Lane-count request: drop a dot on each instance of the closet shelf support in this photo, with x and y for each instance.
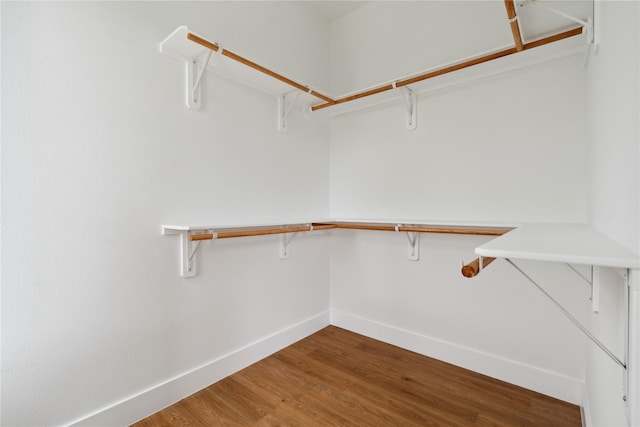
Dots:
(191, 238)
(285, 239)
(189, 245)
(570, 317)
(414, 245)
(594, 282)
(592, 45)
(196, 67)
(284, 109)
(411, 105)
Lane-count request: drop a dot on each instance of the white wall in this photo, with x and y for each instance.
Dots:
(510, 148)
(387, 40)
(614, 101)
(98, 150)
(496, 323)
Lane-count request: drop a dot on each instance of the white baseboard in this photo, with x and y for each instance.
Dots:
(585, 410)
(530, 377)
(147, 402)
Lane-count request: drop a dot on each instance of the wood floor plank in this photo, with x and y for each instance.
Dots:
(338, 378)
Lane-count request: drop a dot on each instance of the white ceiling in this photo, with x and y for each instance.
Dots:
(333, 9)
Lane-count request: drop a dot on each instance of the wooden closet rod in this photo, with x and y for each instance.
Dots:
(452, 68)
(478, 231)
(214, 47)
(513, 22)
(260, 232)
(473, 268)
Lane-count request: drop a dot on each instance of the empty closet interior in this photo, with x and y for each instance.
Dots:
(191, 187)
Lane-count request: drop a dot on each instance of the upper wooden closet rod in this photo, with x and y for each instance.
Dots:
(513, 22)
(452, 68)
(519, 46)
(214, 47)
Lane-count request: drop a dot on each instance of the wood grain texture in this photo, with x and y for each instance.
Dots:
(481, 231)
(339, 378)
(473, 268)
(513, 22)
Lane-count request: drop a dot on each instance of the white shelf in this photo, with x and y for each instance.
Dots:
(426, 222)
(567, 243)
(175, 229)
(178, 46)
(549, 52)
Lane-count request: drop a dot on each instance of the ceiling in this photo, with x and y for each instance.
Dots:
(333, 9)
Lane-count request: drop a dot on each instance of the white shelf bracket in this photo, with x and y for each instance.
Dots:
(188, 250)
(594, 282)
(284, 110)
(285, 239)
(571, 318)
(414, 245)
(196, 67)
(188, 260)
(595, 289)
(411, 106)
(592, 43)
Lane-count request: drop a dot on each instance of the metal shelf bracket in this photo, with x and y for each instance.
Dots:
(411, 107)
(592, 42)
(195, 70)
(284, 110)
(573, 319)
(188, 250)
(285, 239)
(414, 245)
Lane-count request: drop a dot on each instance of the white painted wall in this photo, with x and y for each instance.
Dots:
(98, 150)
(496, 323)
(386, 40)
(510, 148)
(614, 100)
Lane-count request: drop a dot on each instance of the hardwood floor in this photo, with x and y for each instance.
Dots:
(338, 378)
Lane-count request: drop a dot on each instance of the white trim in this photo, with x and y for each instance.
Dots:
(147, 402)
(585, 408)
(153, 399)
(531, 377)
